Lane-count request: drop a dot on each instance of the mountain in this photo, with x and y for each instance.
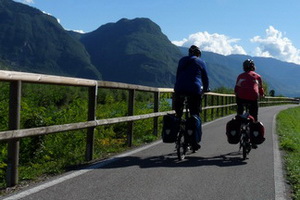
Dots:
(133, 51)
(282, 77)
(35, 42)
(130, 51)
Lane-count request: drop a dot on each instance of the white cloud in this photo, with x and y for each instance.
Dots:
(79, 31)
(216, 43)
(46, 13)
(58, 20)
(277, 46)
(28, 1)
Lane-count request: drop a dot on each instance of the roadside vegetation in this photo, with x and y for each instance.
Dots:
(288, 128)
(46, 105)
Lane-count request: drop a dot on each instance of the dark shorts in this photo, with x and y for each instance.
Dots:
(253, 107)
(194, 103)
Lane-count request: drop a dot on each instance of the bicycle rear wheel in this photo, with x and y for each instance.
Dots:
(180, 147)
(244, 148)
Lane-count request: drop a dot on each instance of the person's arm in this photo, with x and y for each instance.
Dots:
(260, 87)
(204, 78)
(236, 87)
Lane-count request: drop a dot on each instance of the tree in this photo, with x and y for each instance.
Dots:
(272, 93)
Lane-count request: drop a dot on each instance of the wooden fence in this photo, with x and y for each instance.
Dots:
(214, 104)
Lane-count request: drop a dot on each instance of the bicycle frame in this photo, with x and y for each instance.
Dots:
(182, 145)
(245, 133)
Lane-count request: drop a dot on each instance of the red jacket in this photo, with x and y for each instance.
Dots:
(249, 86)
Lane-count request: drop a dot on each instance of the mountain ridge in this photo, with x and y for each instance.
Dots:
(35, 42)
(140, 44)
(130, 51)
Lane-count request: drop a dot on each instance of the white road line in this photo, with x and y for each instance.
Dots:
(82, 171)
(280, 190)
(278, 174)
(77, 173)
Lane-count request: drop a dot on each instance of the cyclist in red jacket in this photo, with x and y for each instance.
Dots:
(248, 89)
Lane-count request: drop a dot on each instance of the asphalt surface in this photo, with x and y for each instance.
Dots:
(215, 172)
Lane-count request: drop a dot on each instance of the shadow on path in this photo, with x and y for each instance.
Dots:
(171, 160)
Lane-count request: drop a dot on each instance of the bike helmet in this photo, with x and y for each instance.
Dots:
(249, 65)
(194, 51)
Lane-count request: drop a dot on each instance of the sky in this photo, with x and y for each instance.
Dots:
(265, 28)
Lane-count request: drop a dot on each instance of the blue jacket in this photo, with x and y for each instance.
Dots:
(191, 77)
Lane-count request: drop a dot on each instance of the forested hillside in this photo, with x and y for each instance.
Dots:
(32, 41)
(133, 51)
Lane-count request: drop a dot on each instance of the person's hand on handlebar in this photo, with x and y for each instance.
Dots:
(261, 97)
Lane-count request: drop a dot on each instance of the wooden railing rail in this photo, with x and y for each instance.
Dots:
(218, 104)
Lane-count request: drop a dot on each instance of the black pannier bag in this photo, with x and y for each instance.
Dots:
(257, 133)
(171, 126)
(233, 131)
(193, 129)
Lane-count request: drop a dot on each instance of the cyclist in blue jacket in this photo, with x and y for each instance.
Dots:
(191, 82)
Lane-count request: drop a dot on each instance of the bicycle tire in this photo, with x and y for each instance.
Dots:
(180, 147)
(244, 148)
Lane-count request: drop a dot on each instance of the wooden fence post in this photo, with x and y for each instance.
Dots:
(14, 124)
(212, 110)
(218, 110)
(131, 102)
(232, 99)
(205, 105)
(91, 116)
(222, 109)
(156, 109)
(173, 101)
(227, 108)
(235, 107)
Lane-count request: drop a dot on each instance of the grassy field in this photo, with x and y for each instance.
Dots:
(288, 128)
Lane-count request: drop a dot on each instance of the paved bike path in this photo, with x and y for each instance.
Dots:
(215, 172)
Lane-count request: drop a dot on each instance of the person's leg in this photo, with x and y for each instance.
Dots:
(178, 104)
(194, 103)
(240, 107)
(253, 110)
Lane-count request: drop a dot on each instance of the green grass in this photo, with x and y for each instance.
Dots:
(288, 128)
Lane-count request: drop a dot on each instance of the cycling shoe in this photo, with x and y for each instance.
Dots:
(196, 147)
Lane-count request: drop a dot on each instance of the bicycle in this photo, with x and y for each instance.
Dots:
(181, 145)
(245, 143)
(183, 141)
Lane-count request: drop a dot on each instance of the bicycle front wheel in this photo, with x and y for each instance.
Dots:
(245, 147)
(181, 147)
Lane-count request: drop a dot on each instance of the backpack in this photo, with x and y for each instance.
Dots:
(233, 131)
(171, 126)
(257, 133)
(193, 129)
